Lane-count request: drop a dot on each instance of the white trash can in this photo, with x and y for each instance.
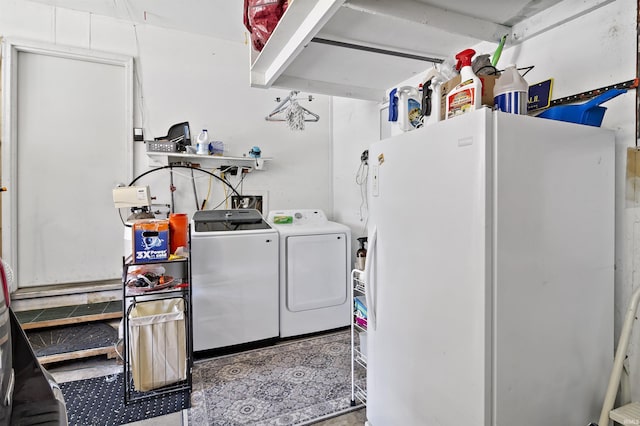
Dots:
(158, 346)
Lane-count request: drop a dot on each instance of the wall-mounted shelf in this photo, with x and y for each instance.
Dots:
(347, 48)
(166, 158)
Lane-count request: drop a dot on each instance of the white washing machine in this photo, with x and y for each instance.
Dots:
(234, 273)
(315, 256)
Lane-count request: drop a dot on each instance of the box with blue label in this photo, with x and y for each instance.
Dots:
(150, 240)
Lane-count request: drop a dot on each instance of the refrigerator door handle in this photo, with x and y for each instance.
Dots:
(370, 278)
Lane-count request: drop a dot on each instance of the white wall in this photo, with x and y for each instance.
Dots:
(595, 50)
(355, 126)
(186, 77)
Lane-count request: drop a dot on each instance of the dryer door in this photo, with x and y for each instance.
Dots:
(316, 271)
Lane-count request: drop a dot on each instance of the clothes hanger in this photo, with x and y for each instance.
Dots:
(285, 104)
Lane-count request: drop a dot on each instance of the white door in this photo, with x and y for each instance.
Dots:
(316, 271)
(66, 144)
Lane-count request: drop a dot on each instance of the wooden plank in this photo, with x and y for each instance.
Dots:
(632, 194)
(71, 320)
(109, 351)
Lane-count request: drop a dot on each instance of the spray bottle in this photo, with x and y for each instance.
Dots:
(466, 96)
(361, 254)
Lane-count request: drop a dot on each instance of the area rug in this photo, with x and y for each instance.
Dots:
(99, 401)
(292, 383)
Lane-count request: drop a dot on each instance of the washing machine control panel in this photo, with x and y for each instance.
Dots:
(297, 217)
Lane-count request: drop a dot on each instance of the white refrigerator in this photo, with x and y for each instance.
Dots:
(490, 273)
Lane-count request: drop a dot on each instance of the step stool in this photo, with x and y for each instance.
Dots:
(628, 414)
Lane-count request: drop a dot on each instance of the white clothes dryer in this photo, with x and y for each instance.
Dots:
(315, 255)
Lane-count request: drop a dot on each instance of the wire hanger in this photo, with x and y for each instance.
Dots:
(286, 102)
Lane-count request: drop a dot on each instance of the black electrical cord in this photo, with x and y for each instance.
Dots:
(172, 166)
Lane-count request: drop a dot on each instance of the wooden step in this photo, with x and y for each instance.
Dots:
(65, 315)
(627, 414)
(109, 351)
(31, 298)
(74, 341)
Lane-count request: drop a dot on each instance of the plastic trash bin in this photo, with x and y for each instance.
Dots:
(158, 347)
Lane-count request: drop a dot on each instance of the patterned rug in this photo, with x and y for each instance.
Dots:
(292, 383)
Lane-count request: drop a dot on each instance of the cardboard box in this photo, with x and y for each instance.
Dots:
(150, 240)
(488, 81)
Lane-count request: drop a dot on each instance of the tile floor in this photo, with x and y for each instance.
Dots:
(101, 366)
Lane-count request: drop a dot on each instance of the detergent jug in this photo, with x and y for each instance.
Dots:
(511, 92)
(409, 108)
(203, 142)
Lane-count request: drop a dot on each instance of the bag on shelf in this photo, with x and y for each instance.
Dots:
(261, 17)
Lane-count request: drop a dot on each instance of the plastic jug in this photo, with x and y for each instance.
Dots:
(203, 142)
(511, 92)
(409, 108)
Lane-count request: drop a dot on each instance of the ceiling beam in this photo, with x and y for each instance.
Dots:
(372, 49)
(420, 13)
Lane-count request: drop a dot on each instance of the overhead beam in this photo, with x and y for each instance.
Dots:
(371, 49)
(420, 13)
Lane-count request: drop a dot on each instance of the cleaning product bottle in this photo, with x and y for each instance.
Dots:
(409, 108)
(436, 98)
(203, 142)
(511, 91)
(466, 96)
(432, 94)
(361, 254)
(393, 105)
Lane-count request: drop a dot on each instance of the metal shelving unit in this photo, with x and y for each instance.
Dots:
(170, 341)
(358, 342)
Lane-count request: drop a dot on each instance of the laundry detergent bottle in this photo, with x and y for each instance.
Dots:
(203, 142)
(511, 92)
(466, 96)
(409, 108)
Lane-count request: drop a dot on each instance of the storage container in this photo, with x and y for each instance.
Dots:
(158, 350)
